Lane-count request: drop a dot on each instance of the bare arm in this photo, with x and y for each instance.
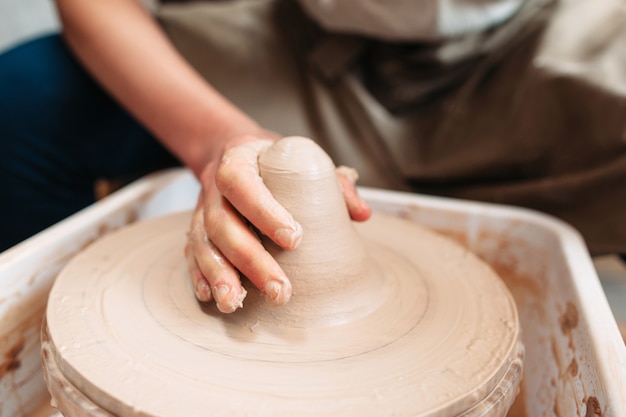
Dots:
(126, 51)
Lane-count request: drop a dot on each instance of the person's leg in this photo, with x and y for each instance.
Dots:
(59, 132)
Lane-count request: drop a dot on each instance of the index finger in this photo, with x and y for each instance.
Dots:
(238, 180)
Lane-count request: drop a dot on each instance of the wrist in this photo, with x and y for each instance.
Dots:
(218, 136)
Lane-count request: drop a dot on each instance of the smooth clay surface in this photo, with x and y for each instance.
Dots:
(387, 319)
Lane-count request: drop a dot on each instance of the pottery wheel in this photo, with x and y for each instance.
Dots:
(434, 333)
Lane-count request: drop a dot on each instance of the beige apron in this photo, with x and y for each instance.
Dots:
(537, 119)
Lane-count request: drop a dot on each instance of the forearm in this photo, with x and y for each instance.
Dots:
(126, 51)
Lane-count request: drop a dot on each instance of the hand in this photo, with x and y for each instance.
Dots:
(221, 244)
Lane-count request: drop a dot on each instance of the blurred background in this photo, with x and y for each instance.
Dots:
(24, 19)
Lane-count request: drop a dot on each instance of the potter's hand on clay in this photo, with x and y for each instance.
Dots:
(222, 243)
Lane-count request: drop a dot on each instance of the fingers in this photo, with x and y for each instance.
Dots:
(238, 180)
(359, 210)
(221, 245)
(200, 284)
(213, 276)
(241, 246)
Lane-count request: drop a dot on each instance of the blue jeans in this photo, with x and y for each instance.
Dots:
(59, 133)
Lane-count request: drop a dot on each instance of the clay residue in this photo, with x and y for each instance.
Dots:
(11, 359)
(517, 282)
(593, 407)
(569, 319)
(555, 354)
(503, 263)
(572, 369)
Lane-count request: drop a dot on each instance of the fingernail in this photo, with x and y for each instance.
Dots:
(221, 291)
(228, 306)
(289, 238)
(278, 292)
(203, 291)
(350, 173)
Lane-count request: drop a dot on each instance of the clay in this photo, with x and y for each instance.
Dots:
(387, 318)
(44, 409)
(294, 171)
(593, 407)
(11, 360)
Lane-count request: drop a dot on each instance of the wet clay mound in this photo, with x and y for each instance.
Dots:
(386, 319)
